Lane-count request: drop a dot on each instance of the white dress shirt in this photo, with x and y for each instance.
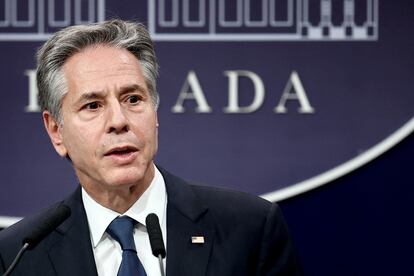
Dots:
(106, 250)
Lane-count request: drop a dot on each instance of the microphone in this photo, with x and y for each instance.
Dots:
(155, 237)
(44, 228)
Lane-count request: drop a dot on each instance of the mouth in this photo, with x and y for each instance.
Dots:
(121, 151)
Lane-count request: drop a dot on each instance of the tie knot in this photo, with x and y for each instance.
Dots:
(121, 229)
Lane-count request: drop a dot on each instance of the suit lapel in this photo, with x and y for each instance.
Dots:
(71, 252)
(186, 218)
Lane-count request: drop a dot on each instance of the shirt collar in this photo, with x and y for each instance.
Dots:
(153, 200)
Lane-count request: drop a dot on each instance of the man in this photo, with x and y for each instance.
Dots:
(97, 89)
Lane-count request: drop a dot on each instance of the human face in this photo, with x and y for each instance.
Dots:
(109, 127)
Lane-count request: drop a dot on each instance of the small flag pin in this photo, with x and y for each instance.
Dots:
(197, 239)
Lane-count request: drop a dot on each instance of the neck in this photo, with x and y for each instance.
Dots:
(122, 197)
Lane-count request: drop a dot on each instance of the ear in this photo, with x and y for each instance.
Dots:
(54, 131)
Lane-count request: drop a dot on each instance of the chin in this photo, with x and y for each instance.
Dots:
(127, 178)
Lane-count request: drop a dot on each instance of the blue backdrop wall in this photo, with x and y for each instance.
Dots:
(306, 102)
(361, 223)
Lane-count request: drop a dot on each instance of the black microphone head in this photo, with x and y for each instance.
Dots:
(45, 227)
(155, 235)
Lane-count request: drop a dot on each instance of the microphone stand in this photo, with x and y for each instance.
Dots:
(161, 265)
(16, 259)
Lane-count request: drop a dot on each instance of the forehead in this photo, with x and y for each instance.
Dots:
(101, 68)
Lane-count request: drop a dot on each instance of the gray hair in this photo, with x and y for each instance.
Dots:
(131, 36)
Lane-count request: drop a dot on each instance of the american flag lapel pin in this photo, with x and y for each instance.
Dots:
(197, 239)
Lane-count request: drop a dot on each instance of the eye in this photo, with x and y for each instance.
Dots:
(133, 99)
(91, 106)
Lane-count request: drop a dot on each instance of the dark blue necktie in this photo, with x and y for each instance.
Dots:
(121, 229)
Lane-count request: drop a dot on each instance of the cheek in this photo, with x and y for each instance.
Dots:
(154, 141)
(152, 131)
(79, 139)
(148, 132)
(146, 124)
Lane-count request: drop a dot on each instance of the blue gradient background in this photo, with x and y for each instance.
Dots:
(362, 92)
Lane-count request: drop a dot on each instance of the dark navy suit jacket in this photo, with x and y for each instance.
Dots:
(243, 235)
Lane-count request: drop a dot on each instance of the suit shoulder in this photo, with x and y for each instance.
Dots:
(223, 202)
(232, 203)
(228, 196)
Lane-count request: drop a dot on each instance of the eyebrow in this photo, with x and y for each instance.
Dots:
(90, 96)
(93, 95)
(131, 88)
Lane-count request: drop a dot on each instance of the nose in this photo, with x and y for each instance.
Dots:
(117, 121)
